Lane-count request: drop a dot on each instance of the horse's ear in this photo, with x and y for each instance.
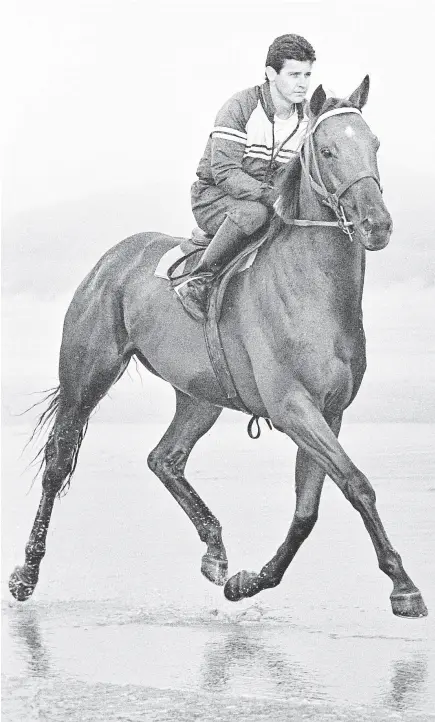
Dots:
(359, 96)
(317, 100)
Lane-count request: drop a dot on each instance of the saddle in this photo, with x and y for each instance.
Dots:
(198, 239)
(191, 250)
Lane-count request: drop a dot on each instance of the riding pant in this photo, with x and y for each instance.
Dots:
(210, 207)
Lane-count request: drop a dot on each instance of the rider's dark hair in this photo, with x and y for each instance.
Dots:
(289, 47)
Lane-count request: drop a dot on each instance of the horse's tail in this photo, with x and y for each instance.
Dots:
(45, 423)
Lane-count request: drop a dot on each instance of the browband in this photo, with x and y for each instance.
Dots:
(335, 111)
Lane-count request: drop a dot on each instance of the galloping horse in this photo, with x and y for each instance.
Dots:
(292, 332)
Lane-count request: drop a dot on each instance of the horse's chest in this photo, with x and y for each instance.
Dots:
(329, 367)
(342, 374)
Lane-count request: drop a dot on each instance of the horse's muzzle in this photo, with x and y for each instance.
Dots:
(375, 232)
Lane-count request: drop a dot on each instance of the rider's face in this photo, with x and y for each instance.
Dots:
(293, 80)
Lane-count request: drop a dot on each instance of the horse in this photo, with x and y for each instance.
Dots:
(292, 331)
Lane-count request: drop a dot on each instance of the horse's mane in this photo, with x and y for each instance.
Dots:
(289, 181)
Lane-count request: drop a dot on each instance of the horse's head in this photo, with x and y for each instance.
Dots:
(343, 163)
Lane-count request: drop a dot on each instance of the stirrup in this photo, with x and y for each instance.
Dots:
(195, 301)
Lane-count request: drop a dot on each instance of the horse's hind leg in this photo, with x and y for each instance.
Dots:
(59, 455)
(191, 421)
(86, 374)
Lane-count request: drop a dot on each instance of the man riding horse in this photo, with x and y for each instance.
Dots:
(256, 132)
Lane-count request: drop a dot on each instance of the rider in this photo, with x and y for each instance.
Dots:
(255, 133)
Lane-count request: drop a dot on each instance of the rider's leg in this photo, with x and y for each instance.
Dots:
(224, 245)
(240, 221)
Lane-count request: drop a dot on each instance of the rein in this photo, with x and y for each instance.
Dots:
(330, 199)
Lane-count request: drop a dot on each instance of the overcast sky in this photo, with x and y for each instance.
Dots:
(113, 94)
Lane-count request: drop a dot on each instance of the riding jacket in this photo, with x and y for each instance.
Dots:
(242, 155)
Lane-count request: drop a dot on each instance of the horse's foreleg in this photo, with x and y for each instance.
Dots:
(297, 416)
(309, 478)
(192, 420)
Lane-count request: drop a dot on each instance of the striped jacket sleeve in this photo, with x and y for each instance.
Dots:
(228, 142)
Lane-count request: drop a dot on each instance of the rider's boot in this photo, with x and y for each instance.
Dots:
(194, 293)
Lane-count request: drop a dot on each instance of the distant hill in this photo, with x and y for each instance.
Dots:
(49, 250)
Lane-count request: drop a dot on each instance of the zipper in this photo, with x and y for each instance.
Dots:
(268, 170)
(300, 112)
(273, 155)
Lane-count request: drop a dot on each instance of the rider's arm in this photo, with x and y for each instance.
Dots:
(228, 142)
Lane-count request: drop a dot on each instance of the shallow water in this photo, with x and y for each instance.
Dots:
(123, 626)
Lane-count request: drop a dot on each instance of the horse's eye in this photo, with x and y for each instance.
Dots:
(326, 153)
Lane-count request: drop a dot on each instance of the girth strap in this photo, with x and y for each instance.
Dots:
(213, 338)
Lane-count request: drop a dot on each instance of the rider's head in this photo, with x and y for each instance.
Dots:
(288, 66)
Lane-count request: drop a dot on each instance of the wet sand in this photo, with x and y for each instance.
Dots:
(122, 625)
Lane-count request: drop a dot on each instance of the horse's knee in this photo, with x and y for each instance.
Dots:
(156, 461)
(172, 463)
(249, 216)
(360, 492)
(152, 461)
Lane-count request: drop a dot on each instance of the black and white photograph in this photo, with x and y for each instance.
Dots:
(218, 361)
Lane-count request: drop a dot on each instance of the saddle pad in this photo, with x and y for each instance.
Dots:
(175, 253)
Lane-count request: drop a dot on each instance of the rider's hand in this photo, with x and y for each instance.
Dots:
(269, 195)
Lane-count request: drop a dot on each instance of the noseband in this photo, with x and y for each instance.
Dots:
(332, 200)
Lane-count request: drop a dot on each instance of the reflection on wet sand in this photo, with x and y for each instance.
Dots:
(244, 653)
(26, 632)
(408, 682)
(240, 661)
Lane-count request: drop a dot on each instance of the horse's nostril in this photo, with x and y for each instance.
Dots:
(367, 225)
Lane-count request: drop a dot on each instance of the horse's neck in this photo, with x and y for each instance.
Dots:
(313, 260)
(310, 206)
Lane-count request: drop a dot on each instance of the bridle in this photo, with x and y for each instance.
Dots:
(332, 200)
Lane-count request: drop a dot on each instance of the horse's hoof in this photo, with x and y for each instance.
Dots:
(408, 605)
(215, 570)
(241, 585)
(19, 587)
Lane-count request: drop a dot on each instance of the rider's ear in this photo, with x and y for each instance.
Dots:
(317, 100)
(359, 96)
(270, 73)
